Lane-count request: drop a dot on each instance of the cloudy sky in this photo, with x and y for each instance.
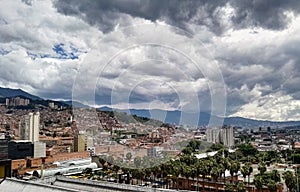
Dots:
(234, 58)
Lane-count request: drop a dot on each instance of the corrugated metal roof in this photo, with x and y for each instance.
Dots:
(14, 185)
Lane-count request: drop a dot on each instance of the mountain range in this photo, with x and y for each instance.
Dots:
(7, 92)
(172, 117)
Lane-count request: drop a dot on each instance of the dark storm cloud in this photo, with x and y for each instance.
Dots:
(105, 13)
(268, 14)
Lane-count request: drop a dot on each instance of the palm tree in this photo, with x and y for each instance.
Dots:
(194, 173)
(197, 170)
(275, 176)
(148, 172)
(225, 163)
(165, 170)
(258, 182)
(215, 174)
(204, 171)
(156, 172)
(187, 173)
(250, 171)
(272, 186)
(188, 159)
(246, 170)
(176, 170)
(234, 168)
(241, 187)
(262, 168)
(142, 174)
(134, 174)
(290, 180)
(229, 187)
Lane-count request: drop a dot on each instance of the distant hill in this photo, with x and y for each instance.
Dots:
(7, 92)
(174, 117)
(171, 117)
(75, 104)
(245, 122)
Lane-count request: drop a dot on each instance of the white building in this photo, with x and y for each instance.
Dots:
(227, 136)
(224, 135)
(29, 127)
(155, 151)
(51, 105)
(213, 135)
(39, 149)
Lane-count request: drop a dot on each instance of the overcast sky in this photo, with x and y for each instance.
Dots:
(238, 58)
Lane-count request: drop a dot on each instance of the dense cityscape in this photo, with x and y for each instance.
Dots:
(149, 95)
(44, 145)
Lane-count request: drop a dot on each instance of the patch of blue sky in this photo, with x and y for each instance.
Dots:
(60, 52)
(34, 56)
(4, 52)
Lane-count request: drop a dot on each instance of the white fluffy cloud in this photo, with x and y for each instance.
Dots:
(126, 58)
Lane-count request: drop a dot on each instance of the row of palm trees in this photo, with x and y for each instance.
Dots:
(189, 167)
(208, 169)
(269, 179)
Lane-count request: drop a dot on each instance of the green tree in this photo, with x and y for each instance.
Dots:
(244, 171)
(295, 158)
(216, 147)
(275, 176)
(234, 168)
(187, 172)
(290, 180)
(258, 182)
(272, 186)
(229, 187)
(176, 170)
(262, 168)
(128, 156)
(250, 171)
(241, 187)
(137, 161)
(215, 173)
(204, 170)
(247, 149)
(187, 151)
(225, 163)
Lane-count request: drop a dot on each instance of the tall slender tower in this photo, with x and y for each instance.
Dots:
(29, 127)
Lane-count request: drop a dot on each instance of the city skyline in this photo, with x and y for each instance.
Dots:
(232, 58)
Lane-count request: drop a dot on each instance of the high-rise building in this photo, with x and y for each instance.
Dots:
(17, 101)
(52, 105)
(213, 135)
(222, 135)
(79, 143)
(29, 127)
(227, 136)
